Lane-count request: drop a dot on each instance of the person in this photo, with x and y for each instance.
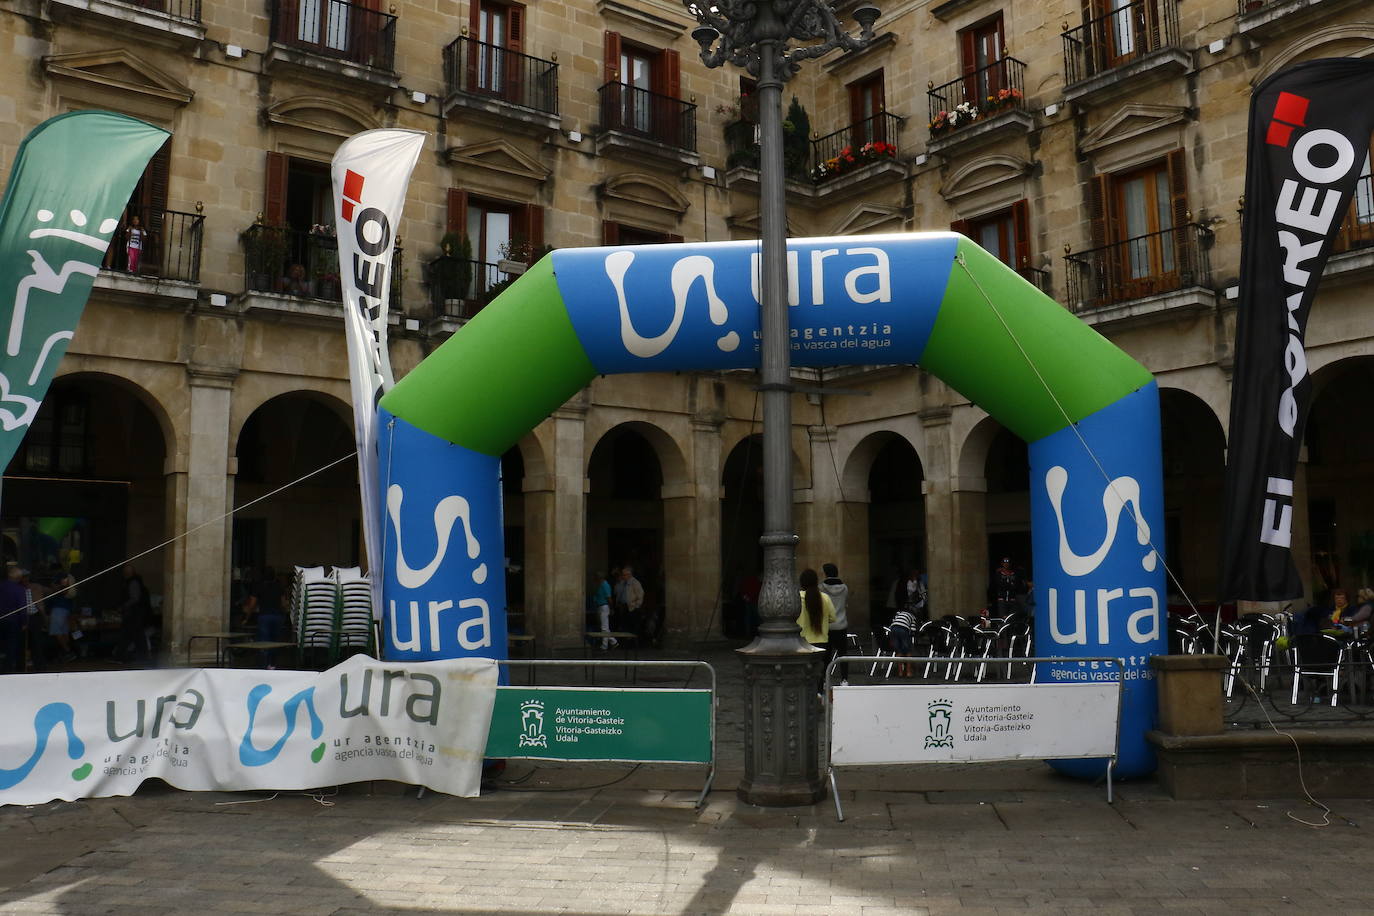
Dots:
(837, 591)
(915, 594)
(1006, 588)
(817, 615)
(601, 602)
(749, 588)
(267, 613)
(295, 282)
(134, 614)
(60, 616)
(629, 598)
(38, 621)
(133, 245)
(902, 632)
(14, 620)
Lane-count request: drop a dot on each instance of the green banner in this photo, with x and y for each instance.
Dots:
(588, 723)
(71, 180)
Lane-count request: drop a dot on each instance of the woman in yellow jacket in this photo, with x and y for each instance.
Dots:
(817, 613)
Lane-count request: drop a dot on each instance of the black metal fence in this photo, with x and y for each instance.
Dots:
(1246, 7)
(182, 9)
(479, 68)
(870, 140)
(334, 28)
(290, 262)
(1146, 265)
(167, 244)
(1121, 36)
(990, 90)
(459, 288)
(648, 114)
(1040, 278)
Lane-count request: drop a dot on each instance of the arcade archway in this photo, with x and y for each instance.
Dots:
(1340, 471)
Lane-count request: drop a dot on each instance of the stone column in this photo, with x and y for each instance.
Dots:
(706, 609)
(204, 491)
(540, 539)
(565, 574)
(968, 538)
(684, 592)
(944, 552)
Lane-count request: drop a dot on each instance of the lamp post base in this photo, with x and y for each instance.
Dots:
(781, 751)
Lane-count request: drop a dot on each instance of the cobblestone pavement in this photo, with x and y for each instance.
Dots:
(611, 839)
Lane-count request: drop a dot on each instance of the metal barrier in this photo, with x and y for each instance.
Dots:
(613, 711)
(994, 723)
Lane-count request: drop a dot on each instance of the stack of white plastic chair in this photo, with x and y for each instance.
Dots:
(355, 593)
(317, 597)
(296, 601)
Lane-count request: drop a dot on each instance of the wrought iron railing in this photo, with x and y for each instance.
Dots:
(277, 259)
(648, 114)
(1121, 36)
(334, 28)
(182, 9)
(742, 144)
(1146, 265)
(460, 288)
(870, 140)
(1357, 231)
(168, 248)
(479, 68)
(1245, 7)
(987, 91)
(1039, 278)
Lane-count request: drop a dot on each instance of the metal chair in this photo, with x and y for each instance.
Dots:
(1317, 655)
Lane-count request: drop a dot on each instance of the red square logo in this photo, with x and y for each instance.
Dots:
(1279, 134)
(1291, 108)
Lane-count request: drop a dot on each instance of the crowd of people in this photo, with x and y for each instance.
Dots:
(39, 627)
(616, 602)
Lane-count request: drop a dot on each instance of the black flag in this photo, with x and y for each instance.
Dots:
(1309, 139)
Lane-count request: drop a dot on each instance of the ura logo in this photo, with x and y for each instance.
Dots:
(686, 272)
(250, 756)
(1119, 493)
(45, 720)
(472, 634)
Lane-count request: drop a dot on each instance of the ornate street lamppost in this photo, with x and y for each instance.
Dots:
(781, 765)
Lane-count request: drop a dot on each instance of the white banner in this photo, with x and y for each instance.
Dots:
(911, 724)
(371, 171)
(103, 733)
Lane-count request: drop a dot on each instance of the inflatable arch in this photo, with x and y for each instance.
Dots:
(1088, 411)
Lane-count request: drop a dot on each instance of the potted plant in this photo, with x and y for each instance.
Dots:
(453, 270)
(265, 247)
(325, 259)
(796, 141)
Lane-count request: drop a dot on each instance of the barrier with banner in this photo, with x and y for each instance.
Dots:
(875, 724)
(103, 733)
(624, 724)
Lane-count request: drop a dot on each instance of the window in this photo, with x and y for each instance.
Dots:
(56, 440)
(496, 230)
(499, 29)
(1005, 234)
(1357, 231)
(642, 89)
(149, 204)
(297, 254)
(1123, 28)
(981, 48)
(1139, 223)
(866, 106)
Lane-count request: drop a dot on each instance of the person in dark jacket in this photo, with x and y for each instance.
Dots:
(835, 587)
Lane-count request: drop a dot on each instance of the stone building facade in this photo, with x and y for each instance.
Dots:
(1100, 150)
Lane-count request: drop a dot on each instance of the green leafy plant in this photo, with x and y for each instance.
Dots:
(453, 267)
(796, 141)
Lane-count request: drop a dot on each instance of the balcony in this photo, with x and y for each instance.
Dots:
(1038, 278)
(1130, 47)
(168, 264)
(287, 270)
(1258, 19)
(177, 21)
(459, 289)
(1138, 279)
(637, 122)
(501, 86)
(981, 107)
(859, 155)
(1352, 254)
(334, 39)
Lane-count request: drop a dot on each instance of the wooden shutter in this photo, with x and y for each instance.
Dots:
(1100, 210)
(961, 226)
(1178, 208)
(457, 221)
(671, 65)
(1020, 225)
(274, 203)
(285, 23)
(472, 47)
(968, 48)
(515, 27)
(610, 232)
(154, 202)
(534, 228)
(515, 41)
(612, 62)
(1102, 287)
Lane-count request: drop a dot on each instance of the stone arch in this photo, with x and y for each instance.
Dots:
(671, 455)
(973, 451)
(859, 462)
(170, 443)
(321, 114)
(247, 401)
(1351, 40)
(986, 184)
(801, 468)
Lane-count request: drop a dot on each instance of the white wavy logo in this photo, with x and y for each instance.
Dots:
(449, 510)
(1119, 493)
(685, 274)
